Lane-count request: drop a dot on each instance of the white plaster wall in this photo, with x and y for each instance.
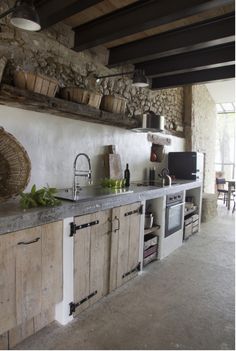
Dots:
(52, 143)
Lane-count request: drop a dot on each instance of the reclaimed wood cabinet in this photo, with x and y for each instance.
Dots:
(106, 253)
(91, 259)
(30, 273)
(125, 240)
(27, 245)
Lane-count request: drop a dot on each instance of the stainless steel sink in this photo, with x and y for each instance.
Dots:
(154, 185)
(146, 184)
(91, 192)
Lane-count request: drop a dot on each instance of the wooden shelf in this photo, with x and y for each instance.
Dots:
(27, 100)
(151, 230)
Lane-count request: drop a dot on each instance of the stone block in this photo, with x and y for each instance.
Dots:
(209, 207)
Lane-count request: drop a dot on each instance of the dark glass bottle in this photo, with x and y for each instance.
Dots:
(127, 176)
(152, 175)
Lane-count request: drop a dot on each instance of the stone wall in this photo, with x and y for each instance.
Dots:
(49, 52)
(203, 132)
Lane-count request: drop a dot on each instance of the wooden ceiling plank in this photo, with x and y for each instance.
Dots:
(197, 77)
(54, 11)
(138, 17)
(194, 37)
(190, 61)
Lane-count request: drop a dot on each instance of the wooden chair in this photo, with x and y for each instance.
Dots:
(220, 184)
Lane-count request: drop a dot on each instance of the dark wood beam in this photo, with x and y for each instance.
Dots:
(215, 56)
(198, 36)
(202, 76)
(137, 17)
(53, 11)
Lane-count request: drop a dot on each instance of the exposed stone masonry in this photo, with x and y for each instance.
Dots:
(49, 52)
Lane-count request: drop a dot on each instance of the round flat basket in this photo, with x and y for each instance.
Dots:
(15, 166)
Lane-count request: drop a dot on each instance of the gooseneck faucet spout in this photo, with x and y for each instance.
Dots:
(165, 175)
(81, 173)
(169, 179)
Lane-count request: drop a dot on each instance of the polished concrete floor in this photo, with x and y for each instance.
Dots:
(186, 301)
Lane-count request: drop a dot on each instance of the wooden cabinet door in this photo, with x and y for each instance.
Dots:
(91, 258)
(7, 283)
(31, 278)
(82, 261)
(28, 259)
(100, 255)
(52, 264)
(125, 241)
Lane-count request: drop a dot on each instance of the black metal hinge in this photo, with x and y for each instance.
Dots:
(139, 210)
(136, 269)
(74, 227)
(73, 305)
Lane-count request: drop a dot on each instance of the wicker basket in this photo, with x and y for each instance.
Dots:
(36, 82)
(15, 166)
(115, 104)
(82, 96)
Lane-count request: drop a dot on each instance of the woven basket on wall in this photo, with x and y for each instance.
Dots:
(15, 166)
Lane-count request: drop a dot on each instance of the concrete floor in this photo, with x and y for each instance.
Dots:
(185, 301)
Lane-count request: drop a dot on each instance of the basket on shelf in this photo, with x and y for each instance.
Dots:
(82, 96)
(113, 103)
(15, 166)
(36, 82)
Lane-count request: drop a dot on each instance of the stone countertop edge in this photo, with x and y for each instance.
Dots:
(13, 218)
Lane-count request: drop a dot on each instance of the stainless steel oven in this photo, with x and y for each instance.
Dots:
(174, 213)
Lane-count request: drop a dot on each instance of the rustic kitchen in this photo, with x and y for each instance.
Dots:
(107, 149)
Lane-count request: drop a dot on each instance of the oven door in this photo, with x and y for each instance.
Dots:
(174, 218)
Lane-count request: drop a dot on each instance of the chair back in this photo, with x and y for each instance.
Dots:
(220, 181)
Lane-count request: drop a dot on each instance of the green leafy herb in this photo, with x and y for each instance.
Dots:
(40, 197)
(113, 183)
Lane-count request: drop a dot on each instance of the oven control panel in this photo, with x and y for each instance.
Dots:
(175, 198)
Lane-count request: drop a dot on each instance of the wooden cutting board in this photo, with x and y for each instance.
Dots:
(113, 167)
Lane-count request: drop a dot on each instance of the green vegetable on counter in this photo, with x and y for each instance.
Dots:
(113, 183)
(39, 198)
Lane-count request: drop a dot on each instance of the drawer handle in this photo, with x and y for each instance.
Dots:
(118, 220)
(28, 242)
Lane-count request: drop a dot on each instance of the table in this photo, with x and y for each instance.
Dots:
(231, 186)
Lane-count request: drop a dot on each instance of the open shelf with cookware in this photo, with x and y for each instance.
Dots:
(152, 227)
(191, 214)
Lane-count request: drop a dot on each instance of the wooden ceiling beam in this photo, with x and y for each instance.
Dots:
(138, 17)
(53, 11)
(197, 77)
(211, 57)
(213, 32)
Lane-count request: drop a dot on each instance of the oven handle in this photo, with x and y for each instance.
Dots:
(171, 206)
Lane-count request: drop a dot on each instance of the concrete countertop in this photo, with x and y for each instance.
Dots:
(13, 218)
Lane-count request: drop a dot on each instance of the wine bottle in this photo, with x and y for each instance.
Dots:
(127, 176)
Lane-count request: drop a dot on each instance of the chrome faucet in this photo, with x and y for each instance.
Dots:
(165, 175)
(81, 173)
(169, 179)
